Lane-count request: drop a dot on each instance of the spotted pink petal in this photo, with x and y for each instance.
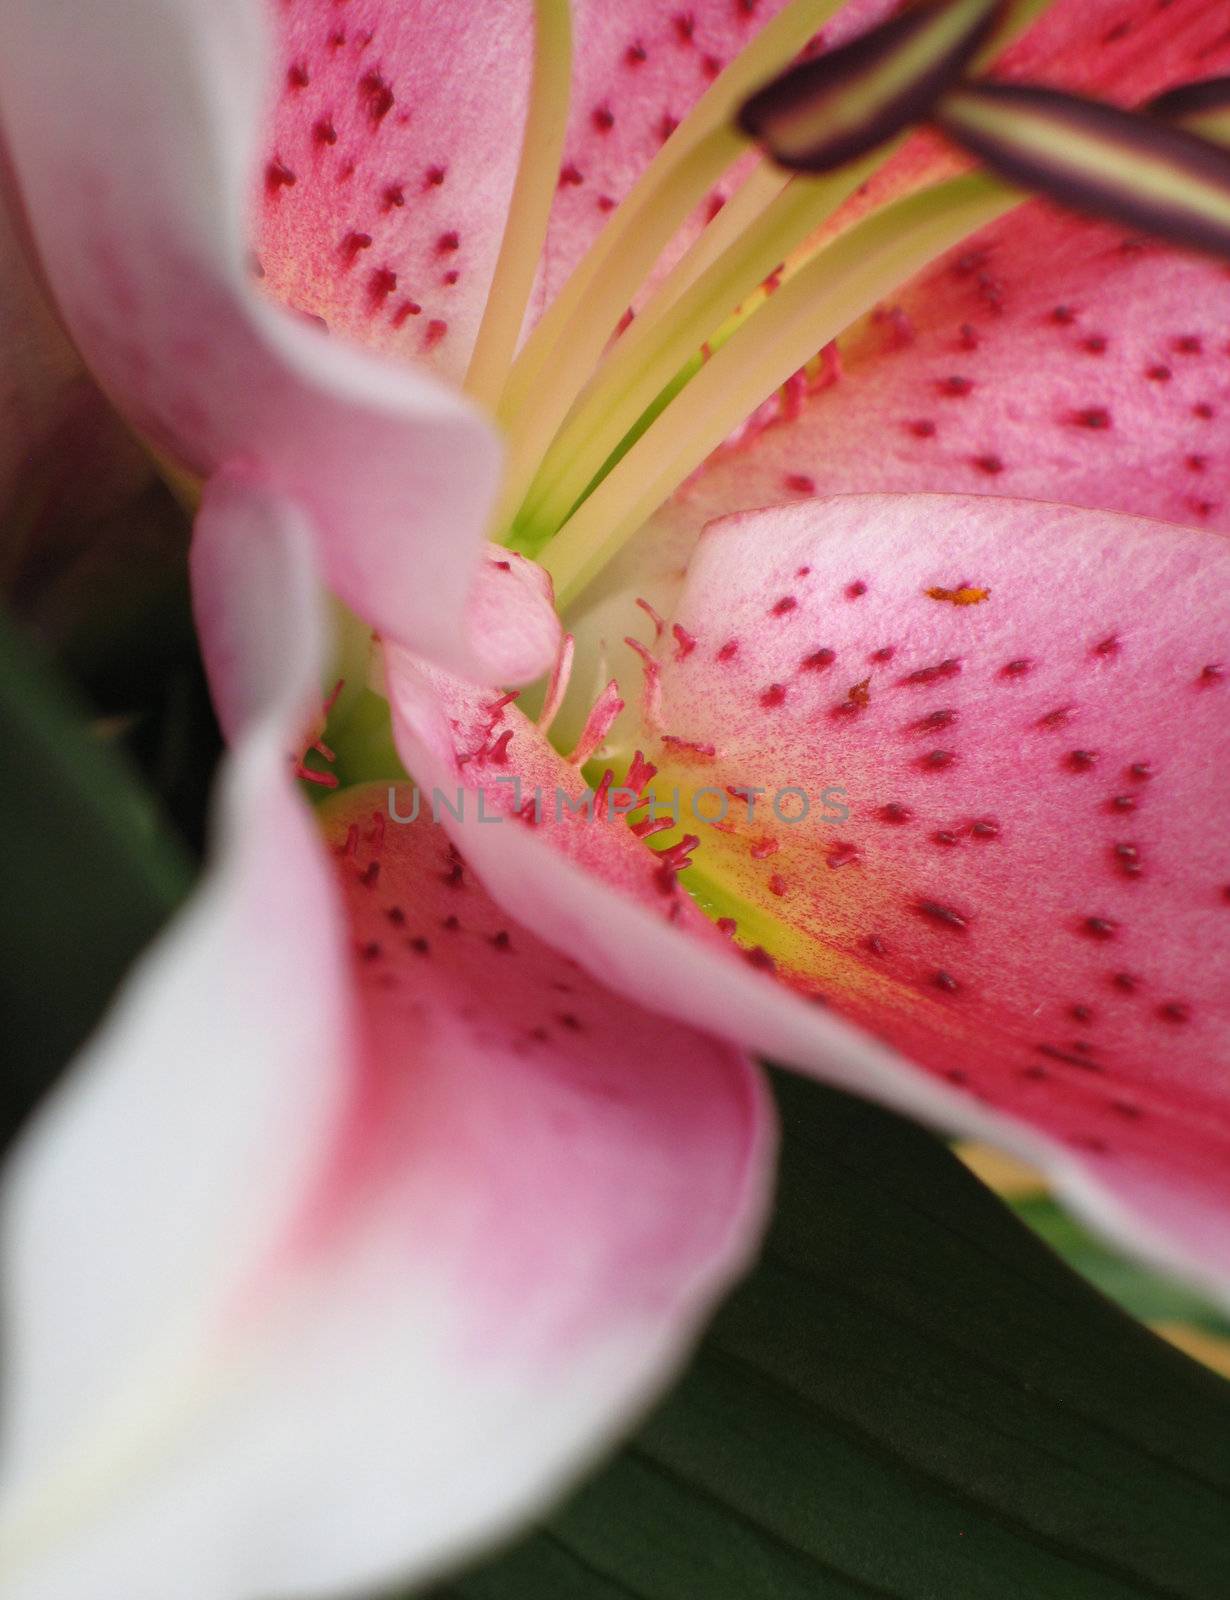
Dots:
(137, 193)
(1051, 358)
(1011, 726)
(384, 1216)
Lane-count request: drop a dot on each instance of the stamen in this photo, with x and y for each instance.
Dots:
(827, 294)
(653, 352)
(530, 208)
(848, 101)
(1202, 108)
(1137, 170)
(565, 346)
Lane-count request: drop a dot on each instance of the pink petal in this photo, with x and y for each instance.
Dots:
(1050, 359)
(370, 1249)
(137, 193)
(977, 950)
(1021, 881)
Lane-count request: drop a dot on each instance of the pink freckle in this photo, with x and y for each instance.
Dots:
(297, 76)
(990, 464)
(777, 884)
(571, 176)
(434, 177)
(968, 337)
(942, 718)
(786, 604)
(278, 176)
(369, 875)
(874, 945)
(1203, 410)
(448, 242)
(603, 118)
(1110, 646)
(945, 837)
(380, 285)
(727, 925)
(729, 650)
(984, 828)
(885, 653)
(944, 916)
(841, 855)
(922, 428)
(802, 572)
(1063, 315)
(376, 95)
(946, 982)
(1189, 344)
(1095, 345)
(1127, 858)
(1099, 928)
(685, 642)
(667, 126)
(352, 244)
(605, 203)
(345, 172)
(1213, 673)
(419, 945)
(1096, 417)
(394, 195)
(1080, 760)
(937, 760)
(635, 54)
(1125, 982)
(1139, 771)
(1158, 372)
(856, 589)
(1196, 463)
(763, 848)
(337, 39)
(1122, 802)
(324, 132)
(710, 66)
(819, 659)
(760, 958)
(433, 333)
(450, 278)
(950, 667)
(1055, 719)
(500, 941)
(894, 812)
(1202, 508)
(406, 310)
(954, 386)
(774, 695)
(1016, 669)
(685, 26)
(1080, 1013)
(1174, 1011)
(799, 483)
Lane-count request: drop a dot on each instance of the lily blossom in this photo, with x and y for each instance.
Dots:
(408, 1164)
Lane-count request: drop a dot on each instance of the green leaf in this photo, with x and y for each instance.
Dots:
(89, 877)
(911, 1398)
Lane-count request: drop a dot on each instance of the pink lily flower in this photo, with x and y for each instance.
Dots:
(408, 1164)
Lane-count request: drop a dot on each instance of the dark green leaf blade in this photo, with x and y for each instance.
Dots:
(911, 1398)
(89, 874)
